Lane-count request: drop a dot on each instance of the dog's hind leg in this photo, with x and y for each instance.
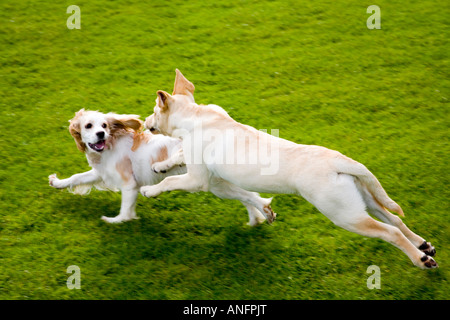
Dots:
(415, 239)
(342, 202)
(370, 227)
(381, 213)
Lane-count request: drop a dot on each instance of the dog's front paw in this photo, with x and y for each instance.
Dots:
(113, 220)
(118, 219)
(270, 215)
(160, 167)
(53, 181)
(150, 191)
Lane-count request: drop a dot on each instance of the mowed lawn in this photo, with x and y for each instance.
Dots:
(311, 69)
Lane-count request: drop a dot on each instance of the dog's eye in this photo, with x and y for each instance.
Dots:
(88, 126)
(104, 125)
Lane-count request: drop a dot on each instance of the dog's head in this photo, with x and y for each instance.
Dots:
(166, 104)
(92, 130)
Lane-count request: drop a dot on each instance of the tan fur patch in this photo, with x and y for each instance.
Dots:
(139, 138)
(370, 225)
(371, 228)
(75, 130)
(125, 169)
(123, 126)
(163, 154)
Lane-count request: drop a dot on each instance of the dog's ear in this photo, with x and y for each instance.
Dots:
(183, 85)
(164, 100)
(75, 130)
(132, 122)
(125, 122)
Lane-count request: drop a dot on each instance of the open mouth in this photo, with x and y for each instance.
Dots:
(99, 146)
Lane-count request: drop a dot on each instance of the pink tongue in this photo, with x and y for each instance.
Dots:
(100, 145)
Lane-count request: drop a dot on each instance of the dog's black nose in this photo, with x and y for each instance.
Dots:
(100, 134)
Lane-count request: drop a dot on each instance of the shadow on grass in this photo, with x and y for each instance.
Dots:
(171, 255)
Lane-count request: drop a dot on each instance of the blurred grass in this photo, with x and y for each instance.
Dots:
(311, 69)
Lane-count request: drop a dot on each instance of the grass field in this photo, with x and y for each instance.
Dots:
(311, 69)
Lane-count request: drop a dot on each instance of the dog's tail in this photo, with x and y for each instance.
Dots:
(354, 168)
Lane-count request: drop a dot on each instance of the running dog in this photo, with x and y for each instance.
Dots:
(342, 189)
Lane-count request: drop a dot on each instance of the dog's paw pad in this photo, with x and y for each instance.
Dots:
(270, 215)
(429, 262)
(428, 249)
(159, 167)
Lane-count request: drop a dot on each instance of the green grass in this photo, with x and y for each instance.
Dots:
(312, 70)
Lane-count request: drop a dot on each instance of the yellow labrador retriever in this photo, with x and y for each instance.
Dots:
(216, 145)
